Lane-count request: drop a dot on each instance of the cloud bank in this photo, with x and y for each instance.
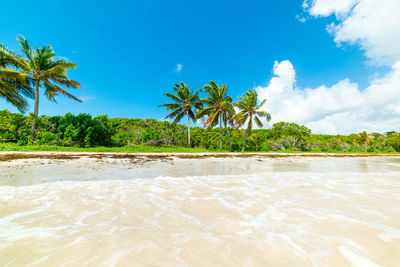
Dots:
(344, 107)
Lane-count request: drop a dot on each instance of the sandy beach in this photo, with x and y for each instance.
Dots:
(104, 209)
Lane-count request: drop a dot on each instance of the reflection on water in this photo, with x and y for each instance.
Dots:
(88, 170)
(279, 166)
(363, 164)
(233, 213)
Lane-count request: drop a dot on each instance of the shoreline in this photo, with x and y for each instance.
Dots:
(15, 155)
(20, 169)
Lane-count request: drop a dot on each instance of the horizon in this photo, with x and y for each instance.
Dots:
(333, 78)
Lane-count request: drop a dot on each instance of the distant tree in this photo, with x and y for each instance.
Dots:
(390, 133)
(185, 102)
(45, 71)
(363, 139)
(292, 132)
(249, 110)
(14, 84)
(218, 107)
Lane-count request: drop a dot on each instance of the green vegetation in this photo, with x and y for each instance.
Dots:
(14, 84)
(185, 102)
(39, 68)
(249, 110)
(102, 134)
(124, 149)
(21, 77)
(218, 108)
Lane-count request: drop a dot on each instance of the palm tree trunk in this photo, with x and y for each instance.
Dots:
(187, 114)
(36, 110)
(229, 137)
(220, 126)
(244, 138)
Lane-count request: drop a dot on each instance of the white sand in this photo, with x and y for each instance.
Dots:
(293, 211)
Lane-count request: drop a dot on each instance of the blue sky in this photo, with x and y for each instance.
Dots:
(127, 51)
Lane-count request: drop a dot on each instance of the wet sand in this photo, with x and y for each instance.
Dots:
(200, 211)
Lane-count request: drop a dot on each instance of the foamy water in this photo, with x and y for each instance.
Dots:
(259, 217)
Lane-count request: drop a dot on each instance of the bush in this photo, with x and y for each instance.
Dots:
(150, 134)
(274, 146)
(83, 130)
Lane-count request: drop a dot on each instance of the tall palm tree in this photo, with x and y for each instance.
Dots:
(217, 104)
(249, 110)
(229, 119)
(14, 85)
(185, 102)
(47, 72)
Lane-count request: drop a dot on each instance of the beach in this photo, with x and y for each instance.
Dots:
(92, 209)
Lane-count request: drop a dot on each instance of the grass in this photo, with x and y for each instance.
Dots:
(147, 149)
(125, 149)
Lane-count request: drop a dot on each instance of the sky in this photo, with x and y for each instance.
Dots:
(332, 65)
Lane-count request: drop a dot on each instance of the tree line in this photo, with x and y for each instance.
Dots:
(38, 68)
(83, 130)
(216, 108)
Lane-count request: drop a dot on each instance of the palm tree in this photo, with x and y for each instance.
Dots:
(185, 102)
(218, 104)
(47, 72)
(14, 84)
(229, 119)
(363, 139)
(249, 110)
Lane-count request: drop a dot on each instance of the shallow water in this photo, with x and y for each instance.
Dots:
(208, 212)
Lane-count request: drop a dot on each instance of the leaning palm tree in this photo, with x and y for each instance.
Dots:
(217, 104)
(47, 72)
(249, 110)
(185, 102)
(14, 85)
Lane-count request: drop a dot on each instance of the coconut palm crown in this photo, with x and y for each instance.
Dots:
(249, 111)
(46, 71)
(14, 85)
(185, 102)
(218, 106)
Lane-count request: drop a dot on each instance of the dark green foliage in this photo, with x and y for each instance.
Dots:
(69, 130)
(150, 134)
(394, 142)
(83, 130)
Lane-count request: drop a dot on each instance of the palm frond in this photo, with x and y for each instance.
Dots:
(174, 114)
(186, 101)
(173, 97)
(26, 49)
(170, 106)
(258, 122)
(261, 104)
(52, 90)
(178, 118)
(264, 114)
(212, 120)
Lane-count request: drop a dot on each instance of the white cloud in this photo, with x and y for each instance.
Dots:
(373, 24)
(301, 19)
(87, 98)
(178, 67)
(342, 108)
(327, 7)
